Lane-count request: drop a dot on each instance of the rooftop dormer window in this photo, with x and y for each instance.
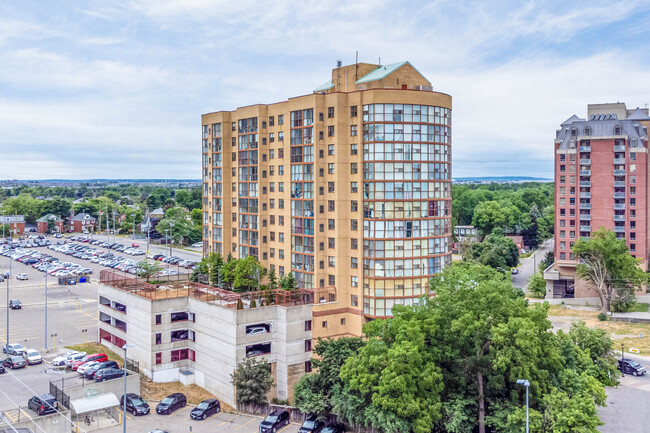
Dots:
(617, 130)
(587, 131)
(574, 132)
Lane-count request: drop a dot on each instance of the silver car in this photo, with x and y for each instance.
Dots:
(13, 349)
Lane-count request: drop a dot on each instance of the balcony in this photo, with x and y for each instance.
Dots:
(585, 183)
(619, 183)
(619, 217)
(585, 162)
(585, 228)
(619, 148)
(619, 206)
(585, 148)
(585, 205)
(585, 172)
(619, 172)
(619, 195)
(585, 217)
(619, 161)
(619, 229)
(585, 195)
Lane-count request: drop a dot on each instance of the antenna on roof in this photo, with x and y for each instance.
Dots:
(380, 61)
(356, 68)
(339, 63)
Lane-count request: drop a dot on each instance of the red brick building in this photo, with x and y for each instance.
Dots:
(41, 223)
(82, 222)
(17, 223)
(601, 180)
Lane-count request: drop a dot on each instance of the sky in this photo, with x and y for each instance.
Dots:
(116, 89)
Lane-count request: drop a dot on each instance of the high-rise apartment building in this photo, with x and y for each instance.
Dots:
(601, 180)
(348, 188)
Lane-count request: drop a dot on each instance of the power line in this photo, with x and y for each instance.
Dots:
(18, 406)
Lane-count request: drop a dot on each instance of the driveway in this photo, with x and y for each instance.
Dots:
(530, 264)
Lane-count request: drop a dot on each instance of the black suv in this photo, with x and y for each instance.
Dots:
(334, 428)
(135, 404)
(274, 421)
(311, 425)
(108, 373)
(43, 404)
(171, 403)
(631, 367)
(90, 371)
(14, 304)
(206, 408)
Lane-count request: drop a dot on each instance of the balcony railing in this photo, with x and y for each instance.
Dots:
(585, 148)
(619, 217)
(585, 217)
(619, 172)
(585, 172)
(619, 161)
(585, 228)
(619, 206)
(585, 183)
(619, 148)
(619, 229)
(585, 195)
(619, 183)
(585, 205)
(619, 195)
(585, 162)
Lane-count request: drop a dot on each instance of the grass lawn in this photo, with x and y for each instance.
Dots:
(98, 348)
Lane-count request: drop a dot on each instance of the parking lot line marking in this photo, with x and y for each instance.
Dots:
(284, 428)
(226, 421)
(186, 407)
(246, 423)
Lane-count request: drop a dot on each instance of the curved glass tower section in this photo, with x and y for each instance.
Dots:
(406, 202)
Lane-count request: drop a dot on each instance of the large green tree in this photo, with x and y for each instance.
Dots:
(607, 265)
(496, 251)
(252, 381)
(247, 274)
(23, 204)
(176, 221)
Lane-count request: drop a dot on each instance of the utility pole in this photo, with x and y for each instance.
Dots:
(171, 232)
(46, 310)
(148, 228)
(7, 340)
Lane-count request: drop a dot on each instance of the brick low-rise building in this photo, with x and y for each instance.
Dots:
(196, 334)
(83, 223)
(16, 222)
(42, 223)
(601, 180)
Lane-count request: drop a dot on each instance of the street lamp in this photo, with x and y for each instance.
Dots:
(83, 336)
(171, 232)
(622, 360)
(8, 278)
(526, 384)
(45, 310)
(126, 346)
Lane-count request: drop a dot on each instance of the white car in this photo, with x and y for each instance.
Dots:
(83, 367)
(60, 360)
(72, 358)
(256, 330)
(32, 356)
(197, 245)
(22, 276)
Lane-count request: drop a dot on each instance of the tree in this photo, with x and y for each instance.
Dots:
(490, 215)
(247, 274)
(132, 215)
(496, 251)
(51, 226)
(288, 282)
(317, 392)
(228, 272)
(537, 285)
(57, 206)
(147, 270)
(176, 223)
(197, 217)
(607, 265)
(547, 261)
(215, 263)
(273, 280)
(6, 229)
(252, 381)
(23, 204)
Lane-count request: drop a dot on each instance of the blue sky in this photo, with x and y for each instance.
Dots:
(115, 89)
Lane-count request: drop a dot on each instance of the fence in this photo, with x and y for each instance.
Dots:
(60, 396)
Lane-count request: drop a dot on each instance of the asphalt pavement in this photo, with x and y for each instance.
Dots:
(529, 265)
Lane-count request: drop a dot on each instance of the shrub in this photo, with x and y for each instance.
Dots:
(602, 317)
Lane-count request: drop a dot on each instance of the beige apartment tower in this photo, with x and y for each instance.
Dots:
(348, 187)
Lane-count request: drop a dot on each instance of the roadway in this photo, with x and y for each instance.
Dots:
(529, 265)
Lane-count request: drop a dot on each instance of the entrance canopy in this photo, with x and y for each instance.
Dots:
(92, 404)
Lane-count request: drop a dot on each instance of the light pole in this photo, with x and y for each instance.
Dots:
(126, 346)
(622, 355)
(171, 232)
(45, 311)
(8, 278)
(83, 336)
(167, 237)
(526, 384)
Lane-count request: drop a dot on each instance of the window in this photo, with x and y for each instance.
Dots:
(353, 168)
(330, 224)
(321, 209)
(281, 253)
(181, 354)
(562, 158)
(320, 135)
(158, 319)
(321, 246)
(180, 334)
(321, 117)
(159, 338)
(331, 261)
(307, 325)
(234, 126)
(330, 112)
(324, 324)
(321, 228)
(281, 119)
(354, 300)
(271, 121)
(354, 244)
(281, 222)
(354, 149)
(307, 345)
(307, 366)
(353, 130)
(330, 168)
(280, 154)
(281, 136)
(330, 149)
(354, 206)
(353, 111)
(354, 263)
(354, 187)
(330, 186)
(633, 190)
(331, 280)
(321, 190)
(331, 243)
(321, 153)
(158, 358)
(354, 281)
(354, 225)
(330, 205)
(330, 131)
(281, 173)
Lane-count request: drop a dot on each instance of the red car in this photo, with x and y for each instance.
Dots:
(135, 245)
(99, 357)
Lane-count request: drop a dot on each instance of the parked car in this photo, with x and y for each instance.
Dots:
(135, 404)
(631, 367)
(311, 425)
(171, 403)
(274, 421)
(514, 271)
(60, 360)
(43, 404)
(14, 304)
(84, 367)
(14, 362)
(254, 330)
(22, 277)
(157, 430)
(108, 373)
(89, 373)
(99, 357)
(334, 428)
(32, 356)
(72, 358)
(206, 408)
(197, 245)
(2, 369)
(13, 349)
